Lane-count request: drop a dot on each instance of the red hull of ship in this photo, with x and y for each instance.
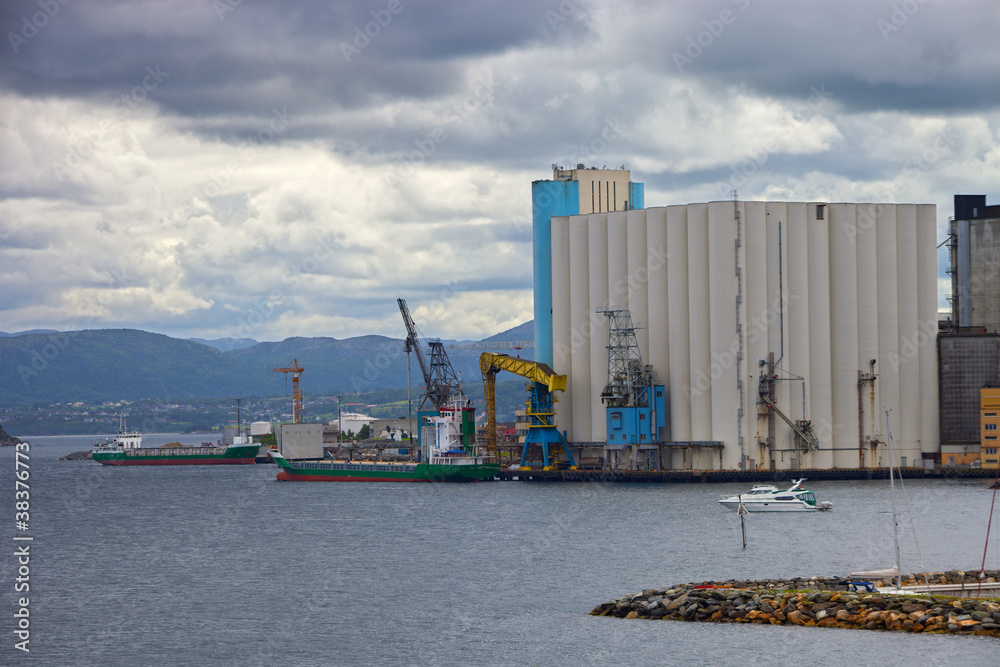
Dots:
(292, 477)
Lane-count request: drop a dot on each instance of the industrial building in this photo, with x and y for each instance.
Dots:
(969, 345)
(974, 246)
(780, 331)
(968, 362)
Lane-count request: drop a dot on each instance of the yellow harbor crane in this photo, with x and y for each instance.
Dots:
(540, 407)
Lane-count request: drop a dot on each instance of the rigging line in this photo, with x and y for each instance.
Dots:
(913, 528)
(982, 568)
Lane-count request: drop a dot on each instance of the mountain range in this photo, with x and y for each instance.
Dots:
(128, 364)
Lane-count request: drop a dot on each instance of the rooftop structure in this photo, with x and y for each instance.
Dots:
(570, 192)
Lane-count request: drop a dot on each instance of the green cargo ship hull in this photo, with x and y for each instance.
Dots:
(333, 471)
(163, 456)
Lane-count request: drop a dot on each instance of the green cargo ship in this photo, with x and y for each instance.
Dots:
(126, 449)
(448, 454)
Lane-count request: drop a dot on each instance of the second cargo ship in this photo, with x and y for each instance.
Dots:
(448, 454)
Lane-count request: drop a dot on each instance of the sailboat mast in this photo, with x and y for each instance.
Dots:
(892, 490)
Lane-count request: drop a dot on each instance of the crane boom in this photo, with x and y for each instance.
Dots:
(412, 341)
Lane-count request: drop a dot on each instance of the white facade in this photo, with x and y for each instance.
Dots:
(353, 422)
(857, 283)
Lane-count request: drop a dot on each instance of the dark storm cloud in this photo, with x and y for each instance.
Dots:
(911, 55)
(305, 52)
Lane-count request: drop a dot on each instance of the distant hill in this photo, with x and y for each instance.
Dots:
(116, 364)
(4, 334)
(226, 344)
(524, 331)
(113, 364)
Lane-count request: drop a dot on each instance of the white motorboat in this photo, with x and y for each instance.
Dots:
(769, 498)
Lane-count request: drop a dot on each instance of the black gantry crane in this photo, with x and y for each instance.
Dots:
(440, 380)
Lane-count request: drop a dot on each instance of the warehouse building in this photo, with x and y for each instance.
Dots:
(781, 331)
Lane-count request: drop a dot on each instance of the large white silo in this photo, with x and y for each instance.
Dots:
(844, 331)
(580, 329)
(679, 335)
(820, 344)
(888, 326)
(849, 295)
(659, 316)
(598, 245)
(927, 315)
(561, 349)
(699, 322)
(906, 423)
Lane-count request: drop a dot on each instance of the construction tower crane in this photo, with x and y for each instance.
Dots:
(294, 369)
(540, 408)
(440, 380)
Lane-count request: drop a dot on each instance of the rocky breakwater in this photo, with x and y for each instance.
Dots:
(779, 603)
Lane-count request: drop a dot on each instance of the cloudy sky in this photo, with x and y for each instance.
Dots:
(269, 169)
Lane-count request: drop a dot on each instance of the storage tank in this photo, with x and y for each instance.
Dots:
(637, 285)
(927, 315)
(583, 394)
(820, 345)
(699, 321)
(844, 333)
(722, 333)
(678, 336)
(260, 428)
(906, 422)
(598, 345)
(659, 319)
(866, 246)
(797, 335)
(888, 326)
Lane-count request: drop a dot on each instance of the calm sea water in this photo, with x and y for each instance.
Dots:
(223, 565)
